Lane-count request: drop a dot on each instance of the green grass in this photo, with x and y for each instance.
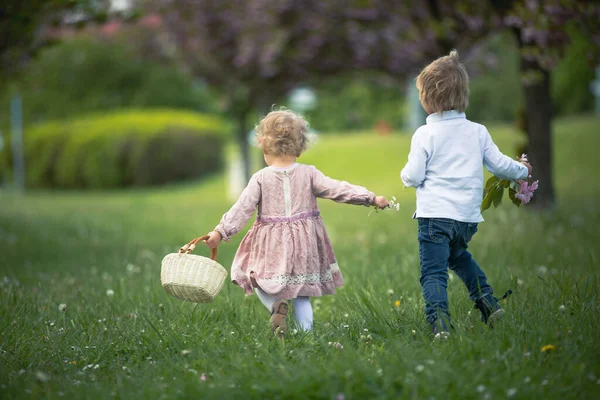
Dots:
(72, 247)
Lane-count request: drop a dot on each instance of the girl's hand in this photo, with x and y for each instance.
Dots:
(214, 240)
(381, 202)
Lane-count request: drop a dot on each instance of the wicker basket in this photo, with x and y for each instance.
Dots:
(190, 277)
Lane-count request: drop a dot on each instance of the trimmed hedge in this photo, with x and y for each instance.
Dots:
(122, 149)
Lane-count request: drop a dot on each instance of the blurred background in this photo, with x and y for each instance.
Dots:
(104, 95)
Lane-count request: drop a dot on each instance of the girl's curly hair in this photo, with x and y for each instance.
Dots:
(283, 132)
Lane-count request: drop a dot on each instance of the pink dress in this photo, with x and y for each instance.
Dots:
(287, 251)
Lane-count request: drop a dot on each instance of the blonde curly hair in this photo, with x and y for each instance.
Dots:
(444, 85)
(283, 132)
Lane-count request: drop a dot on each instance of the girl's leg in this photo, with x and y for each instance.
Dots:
(304, 312)
(266, 299)
(277, 308)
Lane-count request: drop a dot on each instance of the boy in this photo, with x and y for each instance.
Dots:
(444, 165)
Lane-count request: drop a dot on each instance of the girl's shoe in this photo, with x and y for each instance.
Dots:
(278, 314)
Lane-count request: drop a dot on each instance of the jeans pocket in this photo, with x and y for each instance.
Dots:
(471, 231)
(440, 230)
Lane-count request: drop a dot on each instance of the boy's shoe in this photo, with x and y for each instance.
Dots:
(441, 330)
(278, 314)
(490, 309)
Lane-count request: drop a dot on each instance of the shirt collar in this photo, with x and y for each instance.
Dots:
(437, 117)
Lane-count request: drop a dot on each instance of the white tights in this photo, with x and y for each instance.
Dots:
(302, 308)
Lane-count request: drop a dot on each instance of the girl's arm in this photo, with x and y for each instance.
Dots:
(340, 191)
(237, 217)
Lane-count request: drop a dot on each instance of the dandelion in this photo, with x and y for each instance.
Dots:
(397, 303)
(203, 377)
(110, 293)
(562, 308)
(542, 269)
(419, 368)
(62, 307)
(548, 347)
(42, 376)
(390, 292)
(413, 332)
(511, 392)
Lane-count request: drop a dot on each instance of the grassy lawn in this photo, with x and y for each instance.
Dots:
(71, 248)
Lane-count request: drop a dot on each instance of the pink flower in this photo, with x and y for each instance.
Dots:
(526, 191)
(203, 377)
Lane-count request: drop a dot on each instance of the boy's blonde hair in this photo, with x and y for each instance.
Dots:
(444, 85)
(282, 132)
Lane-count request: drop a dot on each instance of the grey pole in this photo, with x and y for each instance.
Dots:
(16, 128)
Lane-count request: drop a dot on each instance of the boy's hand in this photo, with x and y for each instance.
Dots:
(381, 202)
(214, 240)
(529, 167)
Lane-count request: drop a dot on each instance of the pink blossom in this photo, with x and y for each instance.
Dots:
(526, 191)
(203, 377)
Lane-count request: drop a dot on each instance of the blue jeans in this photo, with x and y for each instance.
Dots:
(443, 244)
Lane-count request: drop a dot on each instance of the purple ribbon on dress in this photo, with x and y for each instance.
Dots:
(296, 217)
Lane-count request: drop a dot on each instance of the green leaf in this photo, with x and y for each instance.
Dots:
(505, 183)
(513, 198)
(497, 195)
(491, 181)
(487, 200)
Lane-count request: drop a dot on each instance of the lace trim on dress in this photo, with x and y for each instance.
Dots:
(304, 278)
(296, 217)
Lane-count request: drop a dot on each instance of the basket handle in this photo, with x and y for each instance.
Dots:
(188, 248)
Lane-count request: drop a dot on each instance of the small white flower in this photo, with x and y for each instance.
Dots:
(380, 372)
(110, 293)
(419, 368)
(511, 392)
(544, 382)
(96, 366)
(42, 376)
(542, 269)
(294, 331)
(520, 282)
(185, 352)
(481, 388)
(233, 333)
(62, 307)
(390, 292)
(430, 362)
(562, 308)
(527, 379)
(527, 354)
(414, 333)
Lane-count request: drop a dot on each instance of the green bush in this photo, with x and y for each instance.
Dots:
(121, 149)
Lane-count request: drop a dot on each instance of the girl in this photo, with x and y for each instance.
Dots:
(287, 253)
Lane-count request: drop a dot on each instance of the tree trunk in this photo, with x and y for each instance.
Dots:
(242, 139)
(538, 117)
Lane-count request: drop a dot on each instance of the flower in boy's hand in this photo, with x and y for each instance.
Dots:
(526, 191)
(524, 158)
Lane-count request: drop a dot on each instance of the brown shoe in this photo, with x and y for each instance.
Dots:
(280, 310)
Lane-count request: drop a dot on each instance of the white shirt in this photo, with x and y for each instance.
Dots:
(444, 165)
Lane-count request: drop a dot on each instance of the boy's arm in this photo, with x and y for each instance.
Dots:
(413, 173)
(499, 164)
